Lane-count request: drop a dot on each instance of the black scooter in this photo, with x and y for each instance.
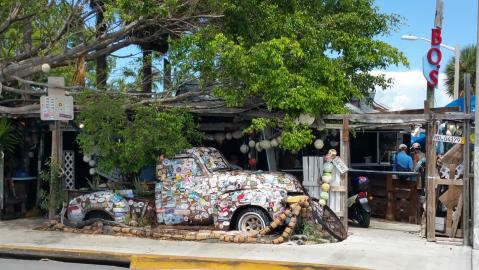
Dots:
(358, 205)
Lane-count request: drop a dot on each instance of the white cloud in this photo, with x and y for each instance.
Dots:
(408, 90)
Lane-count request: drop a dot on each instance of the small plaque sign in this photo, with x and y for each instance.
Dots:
(340, 165)
(56, 108)
(448, 139)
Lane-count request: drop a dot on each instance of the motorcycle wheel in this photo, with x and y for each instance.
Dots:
(363, 217)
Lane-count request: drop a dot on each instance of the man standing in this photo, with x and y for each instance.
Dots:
(403, 162)
(418, 157)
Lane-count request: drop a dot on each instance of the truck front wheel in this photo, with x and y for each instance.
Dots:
(252, 218)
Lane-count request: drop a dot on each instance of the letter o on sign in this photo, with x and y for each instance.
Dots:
(438, 57)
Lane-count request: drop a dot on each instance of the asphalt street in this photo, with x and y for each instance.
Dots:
(14, 264)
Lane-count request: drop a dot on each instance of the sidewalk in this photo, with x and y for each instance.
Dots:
(380, 247)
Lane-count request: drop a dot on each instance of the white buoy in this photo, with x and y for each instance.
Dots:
(258, 147)
(229, 136)
(274, 143)
(251, 143)
(306, 119)
(46, 68)
(265, 144)
(244, 149)
(92, 171)
(92, 163)
(86, 158)
(318, 144)
(237, 134)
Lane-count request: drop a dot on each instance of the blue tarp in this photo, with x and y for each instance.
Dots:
(460, 103)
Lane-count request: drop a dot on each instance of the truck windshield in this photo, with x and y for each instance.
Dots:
(212, 159)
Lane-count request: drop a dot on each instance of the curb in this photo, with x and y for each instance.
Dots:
(143, 262)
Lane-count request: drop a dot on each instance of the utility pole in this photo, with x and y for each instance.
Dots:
(430, 149)
(475, 186)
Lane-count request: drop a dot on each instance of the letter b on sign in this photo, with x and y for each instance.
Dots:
(436, 39)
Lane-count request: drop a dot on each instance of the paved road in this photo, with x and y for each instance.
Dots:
(14, 264)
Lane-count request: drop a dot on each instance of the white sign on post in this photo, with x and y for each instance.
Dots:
(56, 108)
(340, 165)
(448, 139)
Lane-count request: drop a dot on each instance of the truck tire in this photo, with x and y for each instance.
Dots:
(252, 218)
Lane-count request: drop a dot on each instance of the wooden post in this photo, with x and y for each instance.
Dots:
(430, 178)
(344, 154)
(467, 164)
(2, 182)
(430, 147)
(475, 184)
(56, 142)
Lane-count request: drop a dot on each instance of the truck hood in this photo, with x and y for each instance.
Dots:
(238, 180)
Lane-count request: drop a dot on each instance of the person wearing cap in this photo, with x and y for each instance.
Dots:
(403, 162)
(418, 157)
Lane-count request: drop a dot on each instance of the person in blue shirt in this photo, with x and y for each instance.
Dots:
(403, 162)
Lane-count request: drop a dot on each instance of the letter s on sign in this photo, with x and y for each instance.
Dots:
(436, 37)
(433, 76)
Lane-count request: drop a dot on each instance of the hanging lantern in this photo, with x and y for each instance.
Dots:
(251, 143)
(92, 163)
(237, 134)
(324, 195)
(46, 68)
(251, 162)
(86, 158)
(229, 136)
(318, 144)
(274, 143)
(92, 171)
(244, 149)
(306, 119)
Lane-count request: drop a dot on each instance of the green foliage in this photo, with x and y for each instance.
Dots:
(8, 138)
(467, 64)
(296, 56)
(129, 139)
(52, 176)
(311, 230)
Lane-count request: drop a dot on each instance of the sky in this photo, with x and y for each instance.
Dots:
(458, 27)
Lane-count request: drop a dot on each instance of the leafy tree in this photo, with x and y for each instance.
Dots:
(8, 138)
(129, 138)
(467, 64)
(296, 56)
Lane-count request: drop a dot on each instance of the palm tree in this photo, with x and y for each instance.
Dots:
(467, 65)
(8, 139)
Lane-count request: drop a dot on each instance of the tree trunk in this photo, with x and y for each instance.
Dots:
(146, 79)
(101, 63)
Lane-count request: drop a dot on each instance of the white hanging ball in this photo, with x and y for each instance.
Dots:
(274, 142)
(31, 154)
(219, 137)
(265, 144)
(334, 143)
(258, 147)
(86, 158)
(91, 163)
(46, 68)
(251, 143)
(324, 195)
(92, 171)
(306, 119)
(229, 136)
(279, 139)
(326, 178)
(244, 149)
(237, 134)
(327, 167)
(318, 144)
